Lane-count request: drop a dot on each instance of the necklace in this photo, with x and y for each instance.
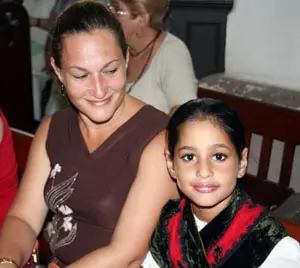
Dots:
(146, 47)
(146, 63)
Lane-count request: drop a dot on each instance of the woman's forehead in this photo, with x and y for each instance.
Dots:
(91, 46)
(102, 37)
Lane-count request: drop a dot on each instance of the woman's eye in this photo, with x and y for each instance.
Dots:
(188, 157)
(111, 71)
(219, 157)
(82, 76)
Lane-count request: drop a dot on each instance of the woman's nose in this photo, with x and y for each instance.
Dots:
(99, 87)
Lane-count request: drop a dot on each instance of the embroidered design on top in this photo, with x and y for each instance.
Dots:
(63, 229)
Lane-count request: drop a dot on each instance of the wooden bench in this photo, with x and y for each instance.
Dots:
(272, 123)
(22, 142)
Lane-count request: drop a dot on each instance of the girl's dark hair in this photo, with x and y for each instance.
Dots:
(210, 109)
(83, 16)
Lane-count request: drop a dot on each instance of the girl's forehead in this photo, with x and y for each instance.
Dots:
(202, 131)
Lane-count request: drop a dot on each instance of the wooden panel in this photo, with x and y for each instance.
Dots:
(265, 192)
(265, 158)
(293, 229)
(205, 44)
(287, 164)
(202, 26)
(247, 138)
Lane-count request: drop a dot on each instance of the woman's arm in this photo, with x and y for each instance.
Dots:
(27, 214)
(151, 189)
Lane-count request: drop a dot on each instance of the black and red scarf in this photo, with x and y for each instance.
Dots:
(242, 235)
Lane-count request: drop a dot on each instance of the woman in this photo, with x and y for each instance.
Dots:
(215, 224)
(8, 168)
(160, 69)
(89, 162)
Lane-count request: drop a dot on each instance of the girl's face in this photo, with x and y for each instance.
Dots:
(93, 71)
(206, 166)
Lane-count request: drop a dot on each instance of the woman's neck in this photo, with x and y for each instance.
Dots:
(141, 42)
(94, 128)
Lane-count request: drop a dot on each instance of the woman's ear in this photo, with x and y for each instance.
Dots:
(56, 70)
(243, 163)
(127, 58)
(170, 164)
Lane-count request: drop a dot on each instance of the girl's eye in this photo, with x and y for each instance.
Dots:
(111, 71)
(188, 157)
(219, 157)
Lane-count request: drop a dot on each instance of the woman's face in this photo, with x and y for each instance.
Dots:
(93, 71)
(206, 165)
(129, 24)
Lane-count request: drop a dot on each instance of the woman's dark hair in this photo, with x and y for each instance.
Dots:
(83, 16)
(210, 109)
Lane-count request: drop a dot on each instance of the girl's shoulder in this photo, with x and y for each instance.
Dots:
(285, 254)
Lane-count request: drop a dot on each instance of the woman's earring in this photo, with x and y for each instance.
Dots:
(62, 90)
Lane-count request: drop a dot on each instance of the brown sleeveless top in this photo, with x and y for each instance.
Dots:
(86, 191)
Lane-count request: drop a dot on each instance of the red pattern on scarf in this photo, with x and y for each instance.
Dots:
(173, 229)
(244, 218)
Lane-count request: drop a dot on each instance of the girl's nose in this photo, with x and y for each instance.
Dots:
(204, 169)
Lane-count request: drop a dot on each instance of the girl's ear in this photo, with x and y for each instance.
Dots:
(170, 164)
(243, 163)
(56, 70)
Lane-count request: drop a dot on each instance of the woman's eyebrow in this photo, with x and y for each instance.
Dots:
(85, 70)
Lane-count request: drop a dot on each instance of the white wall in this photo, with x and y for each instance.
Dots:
(263, 42)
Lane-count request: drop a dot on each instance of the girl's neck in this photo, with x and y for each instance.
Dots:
(207, 214)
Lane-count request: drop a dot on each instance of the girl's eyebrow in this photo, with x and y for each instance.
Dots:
(222, 145)
(185, 147)
(216, 145)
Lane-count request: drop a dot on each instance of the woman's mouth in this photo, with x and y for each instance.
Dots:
(206, 188)
(100, 102)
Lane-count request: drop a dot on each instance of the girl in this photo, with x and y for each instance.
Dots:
(215, 223)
